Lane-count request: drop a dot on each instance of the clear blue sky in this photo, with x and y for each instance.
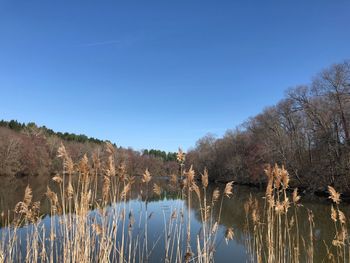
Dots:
(160, 74)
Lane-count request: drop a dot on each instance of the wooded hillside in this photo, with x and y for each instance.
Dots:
(307, 131)
(26, 149)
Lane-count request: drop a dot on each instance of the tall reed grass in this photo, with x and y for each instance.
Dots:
(273, 233)
(90, 220)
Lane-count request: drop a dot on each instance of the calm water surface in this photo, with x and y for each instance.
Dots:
(160, 209)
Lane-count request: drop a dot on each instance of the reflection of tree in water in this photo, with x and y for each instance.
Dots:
(232, 212)
(12, 190)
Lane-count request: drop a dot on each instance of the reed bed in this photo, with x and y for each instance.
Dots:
(90, 219)
(273, 232)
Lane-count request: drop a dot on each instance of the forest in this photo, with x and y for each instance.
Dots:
(307, 132)
(27, 149)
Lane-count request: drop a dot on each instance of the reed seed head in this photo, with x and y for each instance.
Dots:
(110, 148)
(284, 177)
(295, 196)
(146, 177)
(70, 190)
(334, 195)
(67, 161)
(180, 156)
(57, 178)
(190, 174)
(205, 178)
(28, 195)
(126, 190)
(342, 217)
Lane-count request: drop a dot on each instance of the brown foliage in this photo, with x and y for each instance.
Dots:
(308, 131)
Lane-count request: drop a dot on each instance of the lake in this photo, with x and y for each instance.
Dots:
(143, 205)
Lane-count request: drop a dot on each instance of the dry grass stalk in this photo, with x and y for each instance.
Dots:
(106, 187)
(341, 236)
(214, 228)
(275, 235)
(275, 231)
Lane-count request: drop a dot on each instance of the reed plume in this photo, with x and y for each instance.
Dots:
(334, 195)
(205, 177)
(146, 177)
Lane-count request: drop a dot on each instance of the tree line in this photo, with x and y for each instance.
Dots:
(32, 128)
(27, 149)
(165, 156)
(307, 132)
